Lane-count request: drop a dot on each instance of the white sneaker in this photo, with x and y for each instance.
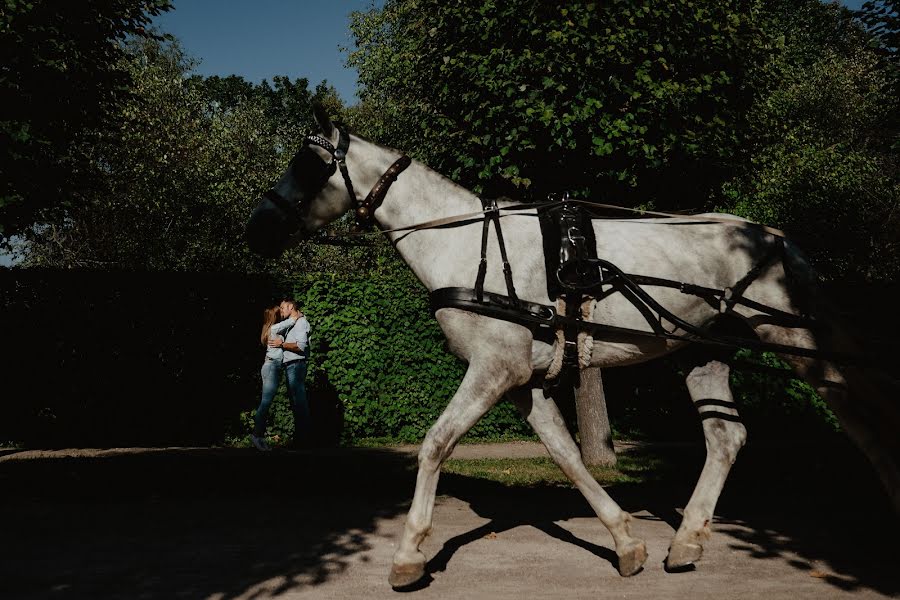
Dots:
(259, 443)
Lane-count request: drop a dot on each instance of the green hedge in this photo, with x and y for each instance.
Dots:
(375, 345)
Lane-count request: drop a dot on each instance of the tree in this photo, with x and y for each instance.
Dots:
(62, 74)
(820, 162)
(225, 93)
(882, 20)
(182, 164)
(631, 101)
(594, 431)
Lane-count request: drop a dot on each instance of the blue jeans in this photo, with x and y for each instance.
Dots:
(271, 376)
(296, 382)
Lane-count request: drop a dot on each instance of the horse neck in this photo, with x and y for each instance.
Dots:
(419, 195)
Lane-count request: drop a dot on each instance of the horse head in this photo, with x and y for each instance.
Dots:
(308, 195)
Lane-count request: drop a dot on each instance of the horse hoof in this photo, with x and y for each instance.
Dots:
(405, 575)
(683, 555)
(631, 560)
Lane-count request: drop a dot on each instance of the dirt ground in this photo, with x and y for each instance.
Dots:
(793, 523)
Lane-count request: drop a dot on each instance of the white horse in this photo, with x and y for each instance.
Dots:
(504, 358)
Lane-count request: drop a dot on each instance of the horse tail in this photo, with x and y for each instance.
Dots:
(863, 398)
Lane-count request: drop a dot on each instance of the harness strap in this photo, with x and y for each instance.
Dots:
(714, 297)
(570, 330)
(734, 294)
(482, 266)
(536, 317)
(529, 206)
(340, 157)
(507, 270)
(380, 189)
(342, 165)
(366, 209)
(703, 218)
(491, 213)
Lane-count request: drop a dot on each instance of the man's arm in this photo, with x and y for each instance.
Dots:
(276, 343)
(301, 332)
(279, 327)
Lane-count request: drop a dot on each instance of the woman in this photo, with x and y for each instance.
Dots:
(271, 371)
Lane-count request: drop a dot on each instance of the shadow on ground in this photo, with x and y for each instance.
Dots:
(191, 524)
(219, 522)
(805, 505)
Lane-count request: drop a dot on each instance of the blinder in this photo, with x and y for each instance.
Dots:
(311, 173)
(277, 217)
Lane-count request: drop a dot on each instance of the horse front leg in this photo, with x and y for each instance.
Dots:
(725, 435)
(544, 417)
(477, 394)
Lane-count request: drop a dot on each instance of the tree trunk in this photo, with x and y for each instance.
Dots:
(593, 420)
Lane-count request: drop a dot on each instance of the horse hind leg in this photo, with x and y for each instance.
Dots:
(866, 413)
(544, 417)
(725, 436)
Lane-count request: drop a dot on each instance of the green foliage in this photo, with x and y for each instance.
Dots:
(542, 471)
(182, 167)
(139, 358)
(882, 20)
(279, 423)
(634, 100)
(651, 401)
(821, 163)
(374, 342)
(643, 103)
(62, 74)
(771, 404)
(285, 102)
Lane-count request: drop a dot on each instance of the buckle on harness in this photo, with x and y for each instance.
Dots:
(575, 237)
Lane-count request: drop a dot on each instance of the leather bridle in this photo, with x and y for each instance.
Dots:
(364, 209)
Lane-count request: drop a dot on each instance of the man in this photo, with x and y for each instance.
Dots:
(296, 353)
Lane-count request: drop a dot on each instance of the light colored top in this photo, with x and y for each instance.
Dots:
(299, 335)
(277, 354)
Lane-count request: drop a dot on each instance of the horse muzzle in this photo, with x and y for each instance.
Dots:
(269, 229)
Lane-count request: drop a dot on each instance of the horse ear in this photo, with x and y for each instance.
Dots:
(322, 119)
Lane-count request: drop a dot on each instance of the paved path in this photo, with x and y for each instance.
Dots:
(225, 524)
(516, 449)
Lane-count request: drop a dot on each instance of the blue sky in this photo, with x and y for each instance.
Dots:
(264, 38)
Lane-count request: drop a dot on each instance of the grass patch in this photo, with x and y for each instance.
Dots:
(379, 442)
(375, 442)
(542, 471)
